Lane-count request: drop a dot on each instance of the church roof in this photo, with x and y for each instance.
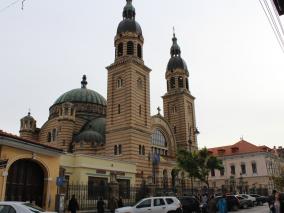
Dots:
(82, 95)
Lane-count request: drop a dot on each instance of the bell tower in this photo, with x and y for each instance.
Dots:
(178, 101)
(128, 98)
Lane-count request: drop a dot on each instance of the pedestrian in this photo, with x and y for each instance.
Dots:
(271, 200)
(73, 205)
(120, 202)
(222, 205)
(212, 205)
(101, 205)
(278, 205)
(112, 204)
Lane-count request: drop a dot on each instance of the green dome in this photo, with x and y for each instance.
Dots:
(82, 95)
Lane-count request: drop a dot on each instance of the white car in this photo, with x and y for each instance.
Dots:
(248, 197)
(154, 205)
(20, 207)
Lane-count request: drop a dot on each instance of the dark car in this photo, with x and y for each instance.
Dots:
(189, 204)
(259, 199)
(245, 203)
(232, 202)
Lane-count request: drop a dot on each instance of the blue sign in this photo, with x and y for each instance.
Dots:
(60, 181)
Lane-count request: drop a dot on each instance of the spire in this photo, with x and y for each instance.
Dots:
(129, 10)
(175, 49)
(84, 81)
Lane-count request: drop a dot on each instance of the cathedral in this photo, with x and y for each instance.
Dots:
(120, 127)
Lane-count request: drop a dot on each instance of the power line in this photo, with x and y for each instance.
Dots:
(10, 5)
(273, 25)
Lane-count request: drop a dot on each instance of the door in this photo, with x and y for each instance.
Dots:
(159, 206)
(144, 206)
(25, 182)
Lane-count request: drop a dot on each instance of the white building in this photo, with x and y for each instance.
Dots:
(247, 168)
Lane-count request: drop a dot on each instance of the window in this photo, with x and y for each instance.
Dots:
(175, 129)
(169, 200)
(233, 170)
(130, 48)
(120, 49)
(97, 187)
(119, 149)
(243, 168)
(212, 172)
(222, 172)
(119, 83)
(143, 150)
(174, 109)
(159, 202)
(186, 83)
(173, 82)
(139, 51)
(139, 83)
(144, 204)
(118, 109)
(53, 134)
(159, 139)
(7, 209)
(180, 82)
(254, 168)
(115, 150)
(49, 137)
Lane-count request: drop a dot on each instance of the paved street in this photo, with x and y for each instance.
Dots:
(257, 209)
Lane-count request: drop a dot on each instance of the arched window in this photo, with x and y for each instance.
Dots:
(120, 49)
(49, 137)
(139, 83)
(119, 149)
(143, 150)
(180, 82)
(173, 82)
(115, 150)
(119, 82)
(53, 134)
(186, 82)
(130, 48)
(139, 51)
(158, 138)
(118, 109)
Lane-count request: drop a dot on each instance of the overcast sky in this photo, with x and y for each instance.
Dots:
(235, 63)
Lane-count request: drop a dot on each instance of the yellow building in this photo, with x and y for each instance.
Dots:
(28, 171)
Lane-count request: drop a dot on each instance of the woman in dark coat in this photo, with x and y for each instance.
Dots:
(101, 206)
(73, 205)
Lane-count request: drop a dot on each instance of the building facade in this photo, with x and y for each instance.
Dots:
(247, 168)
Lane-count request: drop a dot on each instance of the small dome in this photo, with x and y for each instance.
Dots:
(82, 95)
(177, 63)
(90, 136)
(28, 117)
(129, 25)
(93, 132)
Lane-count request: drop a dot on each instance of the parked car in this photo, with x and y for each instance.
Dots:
(19, 207)
(189, 204)
(259, 199)
(154, 205)
(253, 199)
(244, 203)
(232, 202)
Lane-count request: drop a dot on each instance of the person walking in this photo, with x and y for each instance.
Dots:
(120, 202)
(112, 204)
(222, 205)
(73, 205)
(101, 205)
(212, 205)
(278, 205)
(271, 200)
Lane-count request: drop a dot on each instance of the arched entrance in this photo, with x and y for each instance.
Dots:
(25, 182)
